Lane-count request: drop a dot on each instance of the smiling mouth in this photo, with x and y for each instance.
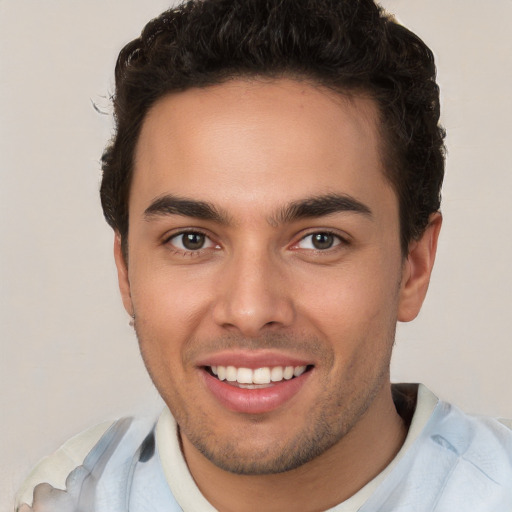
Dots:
(258, 378)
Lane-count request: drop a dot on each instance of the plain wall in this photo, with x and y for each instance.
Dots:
(68, 357)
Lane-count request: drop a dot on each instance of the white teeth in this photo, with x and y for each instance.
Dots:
(231, 373)
(276, 374)
(288, 372)
(260, 376)
(298, 371)
(244, 376)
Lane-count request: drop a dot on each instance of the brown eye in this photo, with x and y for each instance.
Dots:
(193, 241)
(322, 240)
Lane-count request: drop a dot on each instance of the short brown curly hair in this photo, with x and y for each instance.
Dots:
(347, 45)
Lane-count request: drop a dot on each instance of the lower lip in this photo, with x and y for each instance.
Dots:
(254, 401)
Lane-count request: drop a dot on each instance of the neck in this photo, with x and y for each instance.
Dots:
(322, 483)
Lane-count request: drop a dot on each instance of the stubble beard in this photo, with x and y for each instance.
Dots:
(296, 452)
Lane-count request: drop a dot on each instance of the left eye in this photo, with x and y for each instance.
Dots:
(191, 241)
(319, 241)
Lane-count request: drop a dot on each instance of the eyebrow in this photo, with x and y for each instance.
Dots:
(320, 206)
(173, 205)
(317, 206)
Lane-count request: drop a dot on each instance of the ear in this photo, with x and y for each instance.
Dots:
(122, 274)
(417, 269)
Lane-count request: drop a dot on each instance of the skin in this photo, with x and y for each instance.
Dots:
(259, 286)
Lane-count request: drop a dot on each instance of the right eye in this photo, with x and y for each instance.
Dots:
(319, 241)
(191, 241)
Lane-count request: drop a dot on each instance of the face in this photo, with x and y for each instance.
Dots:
(265, 271)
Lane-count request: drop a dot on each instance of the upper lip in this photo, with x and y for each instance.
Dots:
(252, 359)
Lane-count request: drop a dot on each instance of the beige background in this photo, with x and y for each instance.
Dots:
(68, 358)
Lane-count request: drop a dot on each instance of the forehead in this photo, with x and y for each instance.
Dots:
(254, 142)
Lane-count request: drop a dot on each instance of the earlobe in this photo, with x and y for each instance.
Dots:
(122, 275)
(417, 269)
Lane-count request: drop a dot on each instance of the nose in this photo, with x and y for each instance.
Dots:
(252, 295)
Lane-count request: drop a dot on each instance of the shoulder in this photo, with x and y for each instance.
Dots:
(55, 468)
(94, 470)
(478, 451)
(99, 450)
(469, 431)
(452, 461)
(464, 434)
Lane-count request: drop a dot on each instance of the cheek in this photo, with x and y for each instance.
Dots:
(352, 298)
(158, 288)
(168, 309)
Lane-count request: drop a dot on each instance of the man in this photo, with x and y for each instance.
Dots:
(274, 184)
